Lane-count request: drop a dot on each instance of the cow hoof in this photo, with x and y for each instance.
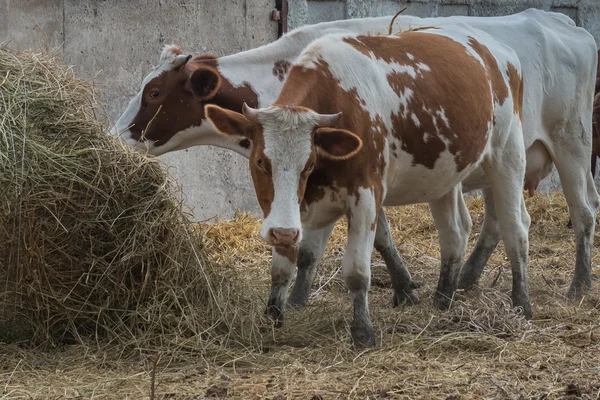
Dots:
(297, 306)
(408, 297)
(467, 283)
(576, 292)
(297, 303)
(524, 304)
(275, 314)
(526, 310)
(363, 337)
(442, 301)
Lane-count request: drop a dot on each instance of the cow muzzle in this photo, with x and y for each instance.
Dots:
(283, 236)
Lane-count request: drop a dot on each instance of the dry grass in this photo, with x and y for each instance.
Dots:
(478, 349)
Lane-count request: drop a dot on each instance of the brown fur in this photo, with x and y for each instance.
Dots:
(498, 86)
(431, 91)
(289, 252)
(516, 88)
(231, 122)
(280, 69)
(181, 107)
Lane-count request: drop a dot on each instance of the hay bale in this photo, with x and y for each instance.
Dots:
(93, 239)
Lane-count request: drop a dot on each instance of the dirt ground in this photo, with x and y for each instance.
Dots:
(478, 349)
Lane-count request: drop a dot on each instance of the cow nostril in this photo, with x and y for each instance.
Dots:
(284, 236)
(272, 234)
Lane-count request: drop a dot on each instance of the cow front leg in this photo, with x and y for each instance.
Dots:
(283, 265)
(453, 222)
(487, 242)
(401, 280)
(356, 265)
(310, 254)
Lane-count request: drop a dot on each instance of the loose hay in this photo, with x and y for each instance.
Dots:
(94, 241)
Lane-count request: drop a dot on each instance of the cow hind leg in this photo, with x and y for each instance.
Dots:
(401, 280)
(582, 198)
(453, 222)
(487, 242)
(310, 253)
(506, 172)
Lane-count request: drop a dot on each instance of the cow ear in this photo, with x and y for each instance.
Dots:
(229, 123)
(205, 82)
(337, 144)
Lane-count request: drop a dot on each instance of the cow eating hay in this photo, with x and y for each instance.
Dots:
(93, 239)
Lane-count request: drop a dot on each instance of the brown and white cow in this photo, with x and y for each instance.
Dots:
(558, 60)
(366, 121)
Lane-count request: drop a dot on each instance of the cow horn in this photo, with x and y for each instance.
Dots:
(328, 120)
(250, 113)
(181, 59)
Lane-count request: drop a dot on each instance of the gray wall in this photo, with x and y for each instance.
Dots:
(114, 43)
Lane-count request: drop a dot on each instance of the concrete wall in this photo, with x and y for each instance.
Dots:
(115, 43)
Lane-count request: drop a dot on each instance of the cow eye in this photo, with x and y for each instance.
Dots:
(260, 163)
(154, 93)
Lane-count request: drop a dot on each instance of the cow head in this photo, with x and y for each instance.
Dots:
(168, 111)
(287, 143)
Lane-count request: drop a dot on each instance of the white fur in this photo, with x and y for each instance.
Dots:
(288, 145)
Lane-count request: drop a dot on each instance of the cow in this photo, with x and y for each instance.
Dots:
(556, 57)
(369, 121)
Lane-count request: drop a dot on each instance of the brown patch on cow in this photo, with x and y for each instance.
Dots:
(261, 174)
(498, 85)
(281, 68)
(289, 252)
(375, 46)
(516, 87)
(180, 108)
(435, 92)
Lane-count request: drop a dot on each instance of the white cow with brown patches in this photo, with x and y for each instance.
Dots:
(366, 121)
(558, 60)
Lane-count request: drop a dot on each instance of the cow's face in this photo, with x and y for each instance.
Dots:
(169, 108)
(286, 145)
